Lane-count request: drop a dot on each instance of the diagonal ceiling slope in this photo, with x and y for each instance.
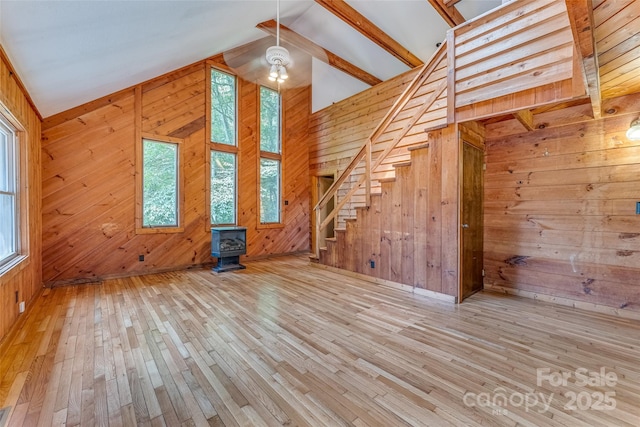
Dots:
(71, 52)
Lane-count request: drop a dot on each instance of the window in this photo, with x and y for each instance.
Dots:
(159, 184)
(223, 188)
(223, 108)
(269, 191)
(270, 156)
(9, 197)
(224, 149)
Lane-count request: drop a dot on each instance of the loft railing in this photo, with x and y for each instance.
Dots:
(501, 62)
(365, 152)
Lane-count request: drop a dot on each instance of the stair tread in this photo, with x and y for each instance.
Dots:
(402, 164)
(389, 179)
(418, 147)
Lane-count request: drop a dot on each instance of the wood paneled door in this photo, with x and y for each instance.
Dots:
(472, 221)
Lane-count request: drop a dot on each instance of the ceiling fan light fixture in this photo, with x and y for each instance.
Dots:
(634, 130)
(277, 55)
(283, 73)
(273, 73)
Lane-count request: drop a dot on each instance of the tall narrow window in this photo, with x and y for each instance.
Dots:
(9, 197)
(270, 156)
(160, 184)
(223, 188)
(224, 148)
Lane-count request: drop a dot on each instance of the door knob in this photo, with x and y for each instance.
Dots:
(465, 225)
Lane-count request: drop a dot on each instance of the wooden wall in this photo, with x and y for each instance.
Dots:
(399, 111)
(26, 278)
(410, 231)
(402, 239)
(89, 179)
(338, 131)
(516, 57)
(560, 214)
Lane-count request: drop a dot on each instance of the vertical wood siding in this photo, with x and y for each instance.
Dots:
(410, 232)
(26, 278)
(560, 214)
(89, 180)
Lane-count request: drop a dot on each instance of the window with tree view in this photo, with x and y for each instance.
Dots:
(159, 184)
(9, 200)
(223, 108)
(223, 188)
(224, 148)
(270, 156)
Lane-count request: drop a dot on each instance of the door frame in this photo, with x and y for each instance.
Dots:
(315, 197)
(474, 139)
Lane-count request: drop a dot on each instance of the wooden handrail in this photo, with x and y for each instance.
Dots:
(428, 103)
(341, 179)
(366, 150)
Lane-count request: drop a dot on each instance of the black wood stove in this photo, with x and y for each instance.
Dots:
(227, 244)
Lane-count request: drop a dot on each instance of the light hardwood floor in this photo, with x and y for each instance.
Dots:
(284, 343)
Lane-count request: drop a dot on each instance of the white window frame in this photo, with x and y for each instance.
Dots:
(16, 189)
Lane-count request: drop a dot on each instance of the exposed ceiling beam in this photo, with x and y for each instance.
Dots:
(368, 29)
(581, 18)
(448, 12)
(451, 2)
(525, 117)
(289, 36)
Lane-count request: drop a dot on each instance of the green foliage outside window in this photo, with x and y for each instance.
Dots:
(269, 120)
(223, 108)
(223, 188)
(269, 191)
(160, 184)
(270, 136)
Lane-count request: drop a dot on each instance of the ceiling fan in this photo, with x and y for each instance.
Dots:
(278, 56)
(271, 65)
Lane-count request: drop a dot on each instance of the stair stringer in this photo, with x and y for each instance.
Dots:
(398, 237)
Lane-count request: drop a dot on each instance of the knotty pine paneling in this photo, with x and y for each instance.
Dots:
(509, 51)
(26, 279)
(616, 32)
(410, 230)
(339, 131)
(560, 214)
(89, 180)
(293, 236)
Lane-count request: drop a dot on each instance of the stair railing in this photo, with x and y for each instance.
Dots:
(365, 152)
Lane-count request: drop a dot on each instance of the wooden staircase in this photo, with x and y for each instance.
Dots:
(388, 239)
(403, 185)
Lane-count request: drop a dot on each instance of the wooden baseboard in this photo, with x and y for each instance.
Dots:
(99, 279)
(248, 258)
(407, 288)
(599, 308)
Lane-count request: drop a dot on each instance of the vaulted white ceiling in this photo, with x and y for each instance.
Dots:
(71, 52)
